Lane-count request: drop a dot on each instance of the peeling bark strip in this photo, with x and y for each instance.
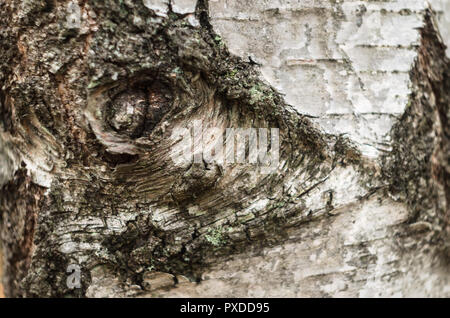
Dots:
(92, 93)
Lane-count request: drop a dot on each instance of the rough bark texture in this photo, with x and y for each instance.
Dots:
(86, 181)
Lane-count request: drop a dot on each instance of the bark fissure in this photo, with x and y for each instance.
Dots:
(418, 164)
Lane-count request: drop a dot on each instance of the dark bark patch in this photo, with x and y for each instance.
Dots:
(159, 103)
(136, 111)
(127, 113)
(417, 169)
(19, 206)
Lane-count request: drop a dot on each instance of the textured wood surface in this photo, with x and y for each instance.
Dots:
(365, 215)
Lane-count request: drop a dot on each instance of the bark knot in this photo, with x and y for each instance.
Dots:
(138, 110)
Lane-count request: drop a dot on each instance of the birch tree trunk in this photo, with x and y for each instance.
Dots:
(352, 199)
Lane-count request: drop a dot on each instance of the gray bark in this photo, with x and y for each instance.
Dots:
(91, 92)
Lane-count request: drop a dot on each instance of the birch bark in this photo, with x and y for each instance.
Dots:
(93, 91)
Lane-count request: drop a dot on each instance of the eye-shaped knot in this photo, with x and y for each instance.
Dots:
(127, 113)
(137, 111)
